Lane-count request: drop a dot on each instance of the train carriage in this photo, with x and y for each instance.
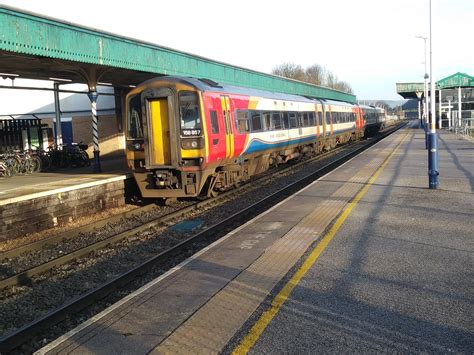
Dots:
(187, 137)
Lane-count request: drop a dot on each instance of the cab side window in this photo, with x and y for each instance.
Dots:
(214, 122)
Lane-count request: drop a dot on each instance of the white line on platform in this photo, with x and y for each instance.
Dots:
(62, 190)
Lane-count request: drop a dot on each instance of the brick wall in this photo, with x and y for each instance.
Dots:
(111, 141)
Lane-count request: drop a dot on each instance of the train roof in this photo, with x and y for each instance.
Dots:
(209, 85)
(340, 103)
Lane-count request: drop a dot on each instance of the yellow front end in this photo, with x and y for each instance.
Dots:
(166, 144)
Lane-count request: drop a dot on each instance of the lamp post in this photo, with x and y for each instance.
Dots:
(418, 95)
(432, 136)
(425, 104)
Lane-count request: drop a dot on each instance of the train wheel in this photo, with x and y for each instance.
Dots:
(213, 193)
(170, 201)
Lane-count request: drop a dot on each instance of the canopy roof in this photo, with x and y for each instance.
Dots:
(40, 47)
(409, 90)
(455, 81)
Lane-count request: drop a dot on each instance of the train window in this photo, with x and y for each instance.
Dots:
(135, 120)
(293, 120)
(256, 121)
(286, 123)
(242, 121)
(305, 119)
(276, 120)
(266, 120)
(214, 122)
(320, 118)
(311, 118)
(189, 113)
(328, 117)
(300, 119)
(243, 126)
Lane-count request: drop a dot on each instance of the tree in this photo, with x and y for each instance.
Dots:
(314, 74)
(290, 70)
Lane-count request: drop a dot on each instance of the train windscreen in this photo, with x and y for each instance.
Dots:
(135, 120)
(189, 114)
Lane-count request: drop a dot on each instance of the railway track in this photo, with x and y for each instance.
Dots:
(202, 238)
(24, 277)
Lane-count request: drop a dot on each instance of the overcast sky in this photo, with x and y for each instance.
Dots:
(370, 44)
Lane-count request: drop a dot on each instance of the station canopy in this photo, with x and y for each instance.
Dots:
(36, 46)
(409, 90)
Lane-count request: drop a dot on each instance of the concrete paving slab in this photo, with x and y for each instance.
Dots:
(397, 277)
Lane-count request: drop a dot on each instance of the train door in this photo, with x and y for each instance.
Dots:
(159, 150)
(227, 117)
(216, 130)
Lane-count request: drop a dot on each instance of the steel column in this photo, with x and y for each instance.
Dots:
(433, 172)
(439, 109)
(420, 122)
(419, 114)
(449, 114)
(58, 139)
(93, 95)
(459, 107)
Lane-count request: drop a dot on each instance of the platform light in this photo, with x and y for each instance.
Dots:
(105, 84)
(426, 77)
(7, 75)
(59, 79)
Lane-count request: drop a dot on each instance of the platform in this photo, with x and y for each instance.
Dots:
(21, 187)
(30, 203)
(366, 259)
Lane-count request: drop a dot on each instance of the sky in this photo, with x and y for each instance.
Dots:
(370, 44)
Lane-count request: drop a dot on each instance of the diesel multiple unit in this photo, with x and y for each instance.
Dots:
(188, 137)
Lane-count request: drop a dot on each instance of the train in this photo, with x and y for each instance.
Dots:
(189, 137)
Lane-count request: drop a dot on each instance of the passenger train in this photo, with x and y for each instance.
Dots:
(188, 137)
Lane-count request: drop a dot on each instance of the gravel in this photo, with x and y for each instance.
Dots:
(23, 304)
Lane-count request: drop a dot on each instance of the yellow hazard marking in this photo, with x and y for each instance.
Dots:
(256, 331)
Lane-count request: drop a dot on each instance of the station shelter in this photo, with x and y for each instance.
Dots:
(454, 100)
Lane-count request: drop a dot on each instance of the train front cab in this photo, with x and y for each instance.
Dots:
(165, 140)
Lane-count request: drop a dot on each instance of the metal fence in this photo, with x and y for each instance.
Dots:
(463, 126)
(23, 134)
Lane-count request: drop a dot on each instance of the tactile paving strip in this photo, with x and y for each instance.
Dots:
(210, 328)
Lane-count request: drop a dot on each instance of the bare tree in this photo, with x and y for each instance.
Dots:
(314, 74)
(343, 86)
(331, 80)
(290, 70)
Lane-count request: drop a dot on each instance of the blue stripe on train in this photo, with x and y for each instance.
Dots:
(258, 145)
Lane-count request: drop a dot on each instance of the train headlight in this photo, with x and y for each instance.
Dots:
(191, 143)
(136, 146)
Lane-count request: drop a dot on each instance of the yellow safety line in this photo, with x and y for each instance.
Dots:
(254, 334)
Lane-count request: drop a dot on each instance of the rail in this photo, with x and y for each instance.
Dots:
(25, 333)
